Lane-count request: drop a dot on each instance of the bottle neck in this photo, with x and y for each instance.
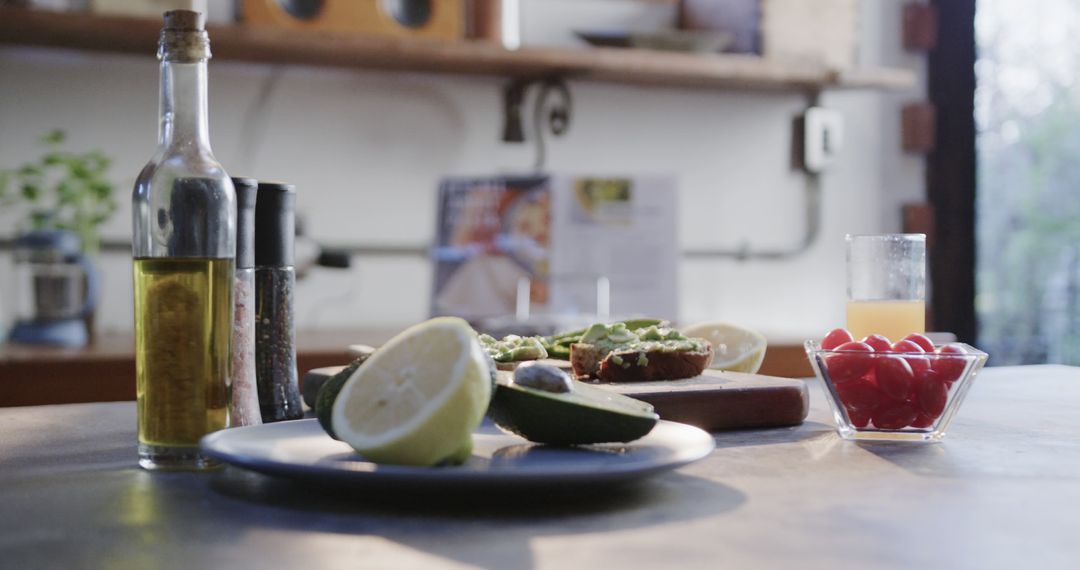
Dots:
(183, 106)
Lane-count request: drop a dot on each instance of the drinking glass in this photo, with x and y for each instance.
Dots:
(886, 284)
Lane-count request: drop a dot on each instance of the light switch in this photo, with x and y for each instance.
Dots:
(823, 138)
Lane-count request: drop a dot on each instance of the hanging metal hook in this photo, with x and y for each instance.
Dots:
(553, 116)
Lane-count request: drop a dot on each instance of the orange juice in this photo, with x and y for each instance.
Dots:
(894, 319)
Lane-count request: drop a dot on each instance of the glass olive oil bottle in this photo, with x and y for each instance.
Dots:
(184, 247)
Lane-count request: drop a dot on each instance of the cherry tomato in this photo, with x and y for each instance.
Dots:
(949, 368)
(923, 421)
(894, 416)
(916, 386)
(912, 396)
(850, 361)
(932, 397)
(861, 396)
(835, 338)
(922, 340)
(919, 364)
(858, 419)
(894, 376)
(906, 346)
(878, 342)
(929, 374)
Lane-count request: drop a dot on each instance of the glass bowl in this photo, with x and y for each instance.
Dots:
(897, 396)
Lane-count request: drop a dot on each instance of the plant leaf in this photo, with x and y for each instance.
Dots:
(54, 137)
(40, 220)
(103, 162)
(101, 190)
(67, 192)
(53, 158)
(31, 192)
(78, 168)
(28, 170)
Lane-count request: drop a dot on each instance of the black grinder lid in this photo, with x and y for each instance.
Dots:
(275, 225)
(245, 221)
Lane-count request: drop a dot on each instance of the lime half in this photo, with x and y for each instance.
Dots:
(735, 348)
(419, 398)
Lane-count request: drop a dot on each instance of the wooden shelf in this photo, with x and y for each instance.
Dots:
(274, 46)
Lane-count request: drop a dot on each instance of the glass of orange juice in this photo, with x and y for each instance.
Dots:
(886, 284)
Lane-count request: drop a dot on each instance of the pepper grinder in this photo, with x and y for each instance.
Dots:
(275, 283)
(243, 387)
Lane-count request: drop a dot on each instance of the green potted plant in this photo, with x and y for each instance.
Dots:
(56, 198)
(62, 190)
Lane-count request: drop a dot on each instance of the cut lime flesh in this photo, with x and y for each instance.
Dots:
(419, 398)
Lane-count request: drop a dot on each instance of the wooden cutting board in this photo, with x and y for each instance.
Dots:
(714, 401)
(717, 401)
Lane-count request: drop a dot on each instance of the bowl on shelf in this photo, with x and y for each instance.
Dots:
(660, 40)
(895, 396)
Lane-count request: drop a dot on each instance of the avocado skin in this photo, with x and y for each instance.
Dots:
(556, 419)
(324, 401)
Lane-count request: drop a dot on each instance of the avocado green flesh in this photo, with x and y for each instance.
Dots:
(324, 400)
(585, 415)
(618, 338)
(558, 346)
(513, 348)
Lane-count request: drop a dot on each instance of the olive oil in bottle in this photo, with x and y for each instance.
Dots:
(184, 250)
(183, 348)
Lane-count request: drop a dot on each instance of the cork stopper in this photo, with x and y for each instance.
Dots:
(184, 21)
(183, 37)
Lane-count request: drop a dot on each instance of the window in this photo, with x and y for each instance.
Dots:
(1027, 111)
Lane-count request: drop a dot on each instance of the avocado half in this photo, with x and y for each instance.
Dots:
(586, 414)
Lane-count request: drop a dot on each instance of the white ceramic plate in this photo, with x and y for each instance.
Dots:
(301, 450)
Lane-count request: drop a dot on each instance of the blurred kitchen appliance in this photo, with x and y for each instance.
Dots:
(55, 289)
(443, 19)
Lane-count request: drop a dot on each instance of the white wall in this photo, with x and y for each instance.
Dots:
(366, 150)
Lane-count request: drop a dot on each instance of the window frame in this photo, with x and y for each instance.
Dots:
(951, 170)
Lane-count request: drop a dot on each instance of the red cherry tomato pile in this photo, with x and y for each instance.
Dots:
(891, 385)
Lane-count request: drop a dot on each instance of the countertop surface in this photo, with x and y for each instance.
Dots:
(1002, 491)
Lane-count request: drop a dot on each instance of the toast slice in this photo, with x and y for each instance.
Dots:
(618, 355)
